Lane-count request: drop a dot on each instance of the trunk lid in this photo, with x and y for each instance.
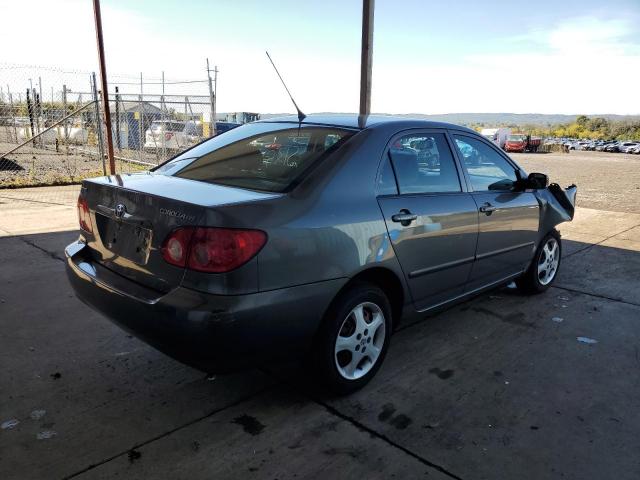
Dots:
(133, 214)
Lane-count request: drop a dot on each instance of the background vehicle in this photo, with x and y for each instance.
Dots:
(226, 257)
(496, 135)
(624, 147)
(177, 135)
(520, 142)
(172, 134)
(612, 147)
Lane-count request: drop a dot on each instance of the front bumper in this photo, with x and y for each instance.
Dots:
(215, 333)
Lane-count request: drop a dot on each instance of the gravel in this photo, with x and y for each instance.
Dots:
(606, 181)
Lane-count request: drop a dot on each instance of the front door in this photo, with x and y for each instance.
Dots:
(508, 219)
(431, 220)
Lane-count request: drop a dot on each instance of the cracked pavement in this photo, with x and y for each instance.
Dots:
(497, 387)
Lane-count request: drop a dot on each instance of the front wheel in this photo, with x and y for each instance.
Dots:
(353, 340)
(544, 267)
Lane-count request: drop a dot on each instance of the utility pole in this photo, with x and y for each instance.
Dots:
(368, 7)
(103, 82)
(212, 96)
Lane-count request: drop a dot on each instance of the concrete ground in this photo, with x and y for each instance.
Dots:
(503, 386)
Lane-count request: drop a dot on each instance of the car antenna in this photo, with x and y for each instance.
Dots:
(301, 116)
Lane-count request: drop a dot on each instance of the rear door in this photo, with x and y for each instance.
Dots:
(431, 220)
(508, 219)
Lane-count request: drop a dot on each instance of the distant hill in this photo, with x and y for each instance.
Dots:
(497, 118)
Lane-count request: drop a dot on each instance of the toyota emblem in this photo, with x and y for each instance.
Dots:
(120, 210)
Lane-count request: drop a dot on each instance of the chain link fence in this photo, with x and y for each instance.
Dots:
(51, 130)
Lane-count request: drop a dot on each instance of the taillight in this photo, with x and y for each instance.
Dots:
(213, 250)
(167, 136)
(175, 247)
(84, 216)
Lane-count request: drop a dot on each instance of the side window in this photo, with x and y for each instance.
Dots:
(387, 181)
(487, 169)
(423, 164)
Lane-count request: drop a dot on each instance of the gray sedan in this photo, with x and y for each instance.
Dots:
(315, 239)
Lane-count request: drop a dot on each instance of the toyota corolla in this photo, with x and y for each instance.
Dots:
(316, 239)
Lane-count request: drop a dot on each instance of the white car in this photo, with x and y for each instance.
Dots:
(625, 147)
(172, 135)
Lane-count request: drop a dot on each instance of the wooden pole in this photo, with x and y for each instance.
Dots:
(368, 7)
(103, 82)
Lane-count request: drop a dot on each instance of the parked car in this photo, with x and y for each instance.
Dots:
(520, 142)
(172, 135)
(224, 260)
(624, 147)
(612, 147)
(634, 150)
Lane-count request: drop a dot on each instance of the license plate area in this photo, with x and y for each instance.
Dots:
(124, 239)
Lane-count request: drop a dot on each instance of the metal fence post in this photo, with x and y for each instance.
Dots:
(118, 139)
(30, 112)
(94, 88)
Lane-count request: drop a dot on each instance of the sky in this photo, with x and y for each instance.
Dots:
(547, 56)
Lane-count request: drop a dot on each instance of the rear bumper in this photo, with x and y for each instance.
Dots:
(215, 333)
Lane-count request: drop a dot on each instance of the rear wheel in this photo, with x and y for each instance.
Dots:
(353, 340)
(545, 266)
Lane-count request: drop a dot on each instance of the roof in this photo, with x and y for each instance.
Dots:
(355, 121)
(130, 106)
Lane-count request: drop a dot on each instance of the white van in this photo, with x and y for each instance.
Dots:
(496, 135)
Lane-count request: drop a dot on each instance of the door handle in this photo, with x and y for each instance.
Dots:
(488, 208)
(404, 217)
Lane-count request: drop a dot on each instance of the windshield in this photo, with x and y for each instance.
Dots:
(257, 158)
(516, 138)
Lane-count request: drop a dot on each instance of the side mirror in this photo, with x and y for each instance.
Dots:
(537, 181)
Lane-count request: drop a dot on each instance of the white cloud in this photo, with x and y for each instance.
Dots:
(582, 66)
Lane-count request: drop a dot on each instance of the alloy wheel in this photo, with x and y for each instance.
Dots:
(360, 341)
(548, 261)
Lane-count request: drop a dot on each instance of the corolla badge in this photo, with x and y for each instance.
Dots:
(120, 210)
(176, 214)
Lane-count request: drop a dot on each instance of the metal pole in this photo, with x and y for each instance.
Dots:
(368, 7)
(118, 139)
(215, 96)
(64, 113)
(103, 81)
(30, 112)
(212, 126)
(13, 114)
(140, 121)
(94, 88)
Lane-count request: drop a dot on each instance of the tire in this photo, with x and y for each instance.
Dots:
(545, 265)
(345, 335)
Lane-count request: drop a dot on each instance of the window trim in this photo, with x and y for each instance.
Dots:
(419, 131)
(516, 168)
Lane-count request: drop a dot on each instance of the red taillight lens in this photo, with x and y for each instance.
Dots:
(219, 250)
(84, 216)
(168, 136)
(175, 247)
(213, 250)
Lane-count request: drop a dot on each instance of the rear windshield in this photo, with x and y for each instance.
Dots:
(256, 159)
(516, 138)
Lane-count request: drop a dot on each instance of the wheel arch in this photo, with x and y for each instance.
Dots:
(385, 279)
